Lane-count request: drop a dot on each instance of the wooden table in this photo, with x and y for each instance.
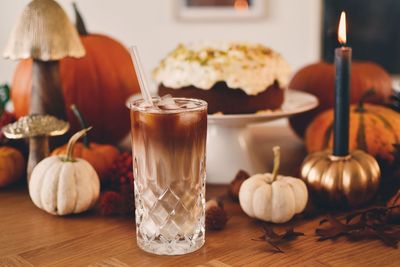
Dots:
(30, 237)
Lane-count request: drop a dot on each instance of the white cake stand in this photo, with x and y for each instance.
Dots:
(228, 142)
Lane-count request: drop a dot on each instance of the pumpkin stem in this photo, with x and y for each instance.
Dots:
(80, 24)
(365, 96)
(277, 160)
(82, 123)
(71, 143)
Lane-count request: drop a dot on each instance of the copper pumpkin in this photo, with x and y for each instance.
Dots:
(349, 181)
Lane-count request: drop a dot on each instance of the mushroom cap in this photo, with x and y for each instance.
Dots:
(44, 32)
(35, 125)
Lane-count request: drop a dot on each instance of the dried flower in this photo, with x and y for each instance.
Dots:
(110, 203)
(5, 118)
(119, 181)
(216, 217)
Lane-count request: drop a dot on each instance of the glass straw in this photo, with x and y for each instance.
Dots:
(140, 75)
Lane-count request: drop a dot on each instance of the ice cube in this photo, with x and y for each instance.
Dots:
(167, 102)
(188, 105)
(145, 105)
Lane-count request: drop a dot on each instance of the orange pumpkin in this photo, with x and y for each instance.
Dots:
(373, 129)
(100, 156)
(12, 165)
(98, 83)
(319, 79)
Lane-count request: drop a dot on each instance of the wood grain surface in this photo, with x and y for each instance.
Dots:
(31, 237)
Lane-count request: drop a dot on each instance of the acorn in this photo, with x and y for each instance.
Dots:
(216, 216)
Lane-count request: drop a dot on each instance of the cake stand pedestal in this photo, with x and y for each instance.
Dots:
(229, 150)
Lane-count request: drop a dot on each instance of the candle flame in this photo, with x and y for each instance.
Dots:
(342, 29)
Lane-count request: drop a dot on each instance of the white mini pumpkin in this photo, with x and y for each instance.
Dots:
(64, 185)
(271, 197)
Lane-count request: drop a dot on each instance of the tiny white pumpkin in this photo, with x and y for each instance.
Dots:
(64, 185)
(271, 197)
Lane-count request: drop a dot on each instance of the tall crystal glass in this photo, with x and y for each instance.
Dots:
(169, 148)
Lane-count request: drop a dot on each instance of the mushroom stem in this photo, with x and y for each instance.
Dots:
(71, 144)
(277, 160)
(47, 96)
(38, 150)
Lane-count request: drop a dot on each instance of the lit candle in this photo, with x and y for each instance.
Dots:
(342, 92)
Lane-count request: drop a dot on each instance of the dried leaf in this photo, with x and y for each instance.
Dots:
(366, 224)
(275, 240)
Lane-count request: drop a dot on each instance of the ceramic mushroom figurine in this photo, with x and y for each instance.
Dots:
(38, 128)
(45, 34)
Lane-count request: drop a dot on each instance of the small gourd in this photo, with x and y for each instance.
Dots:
(63, 185)
(271, 197)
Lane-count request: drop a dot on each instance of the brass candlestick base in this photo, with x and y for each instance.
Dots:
(349, 181)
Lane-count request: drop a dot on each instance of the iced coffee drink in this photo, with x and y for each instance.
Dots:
(169, 148)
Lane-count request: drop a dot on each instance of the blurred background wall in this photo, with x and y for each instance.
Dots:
(291, 27)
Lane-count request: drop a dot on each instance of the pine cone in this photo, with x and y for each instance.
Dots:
(216, 216)
(234, 187)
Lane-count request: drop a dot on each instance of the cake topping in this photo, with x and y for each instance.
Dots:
(250, 67)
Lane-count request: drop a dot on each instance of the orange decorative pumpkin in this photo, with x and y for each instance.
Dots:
(373, 129)
(98, 83)
(12, 165)
(100, 156)
(319, 79)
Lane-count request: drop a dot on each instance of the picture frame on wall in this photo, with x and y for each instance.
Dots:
(219, 10)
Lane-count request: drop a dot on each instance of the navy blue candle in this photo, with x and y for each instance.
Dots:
(342, 93)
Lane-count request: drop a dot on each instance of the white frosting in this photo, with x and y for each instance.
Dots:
(250, 67)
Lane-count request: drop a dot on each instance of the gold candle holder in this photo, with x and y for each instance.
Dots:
(341, 181)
